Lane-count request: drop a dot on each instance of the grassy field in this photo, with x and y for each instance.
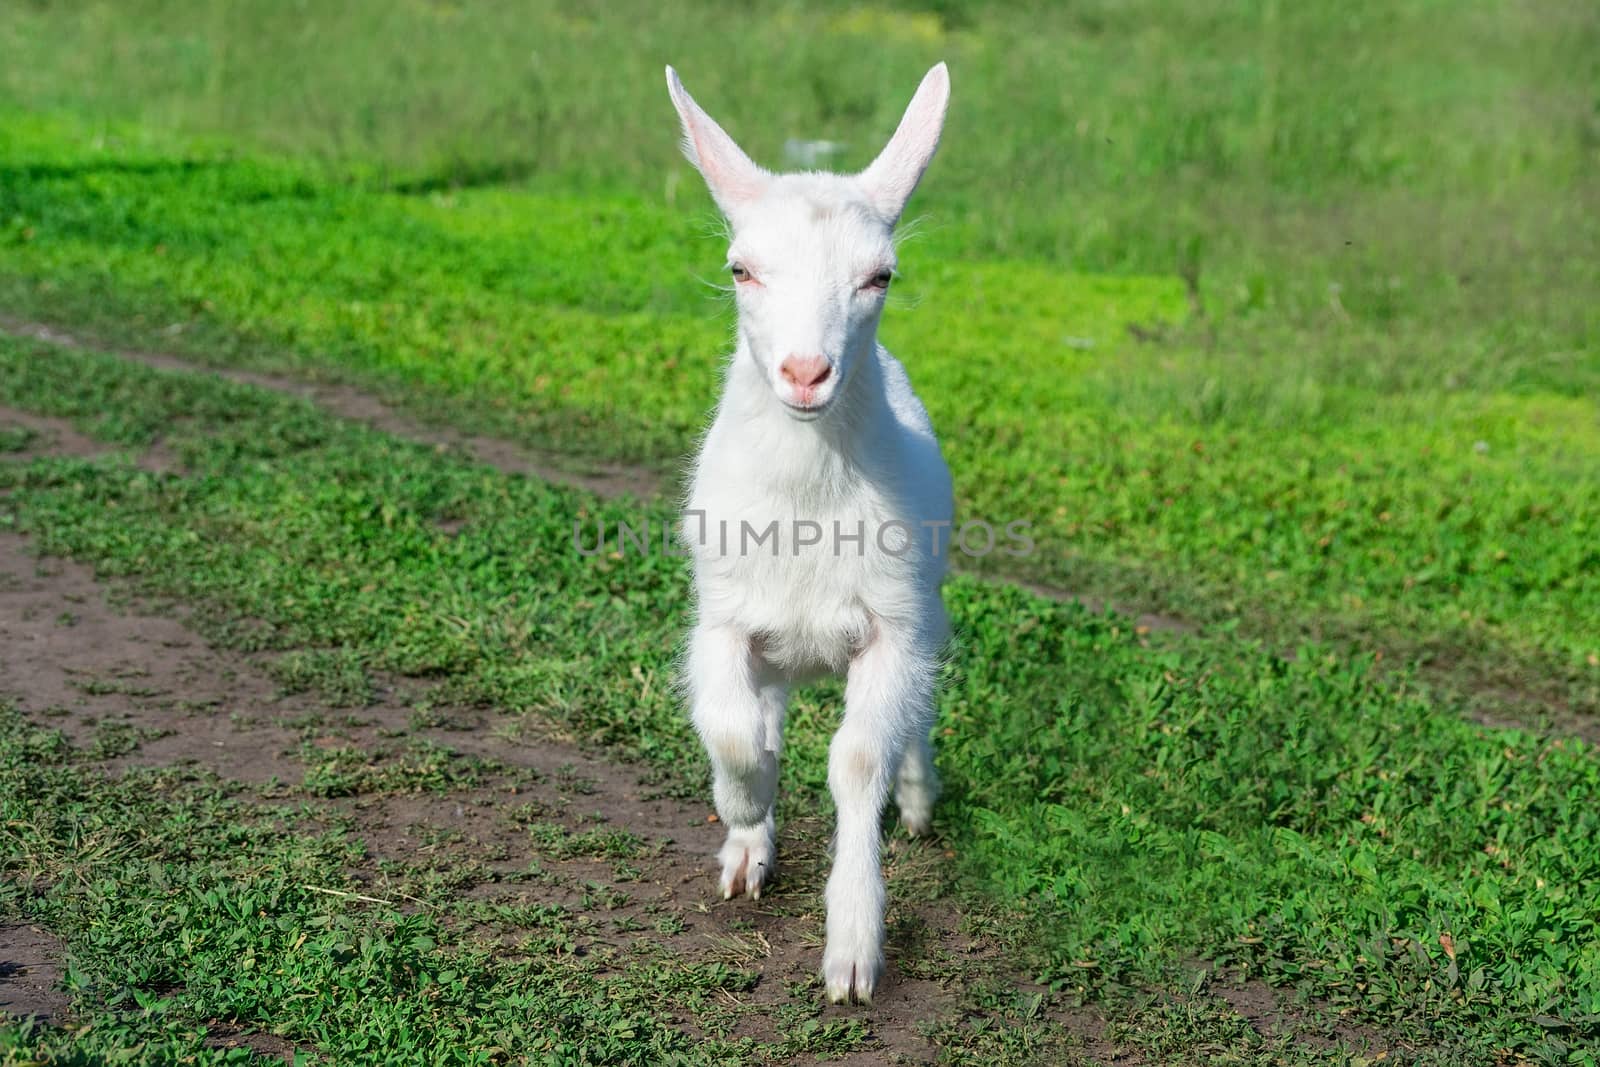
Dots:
(1278, 319)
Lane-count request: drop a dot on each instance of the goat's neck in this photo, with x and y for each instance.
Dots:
(809, 457)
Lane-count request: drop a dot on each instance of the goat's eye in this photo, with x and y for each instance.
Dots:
(881, 279)
(739, 273)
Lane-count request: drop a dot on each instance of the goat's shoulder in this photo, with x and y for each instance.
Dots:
(907, 408)
(922, 474)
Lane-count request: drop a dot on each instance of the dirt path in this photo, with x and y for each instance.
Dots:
(359, 405)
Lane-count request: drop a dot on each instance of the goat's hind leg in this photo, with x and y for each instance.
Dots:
(916, 787)
(738, 713)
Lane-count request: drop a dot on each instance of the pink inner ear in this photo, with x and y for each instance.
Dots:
(733, 178)
(736, 181)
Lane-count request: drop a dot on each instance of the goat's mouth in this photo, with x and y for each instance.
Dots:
(809, 411)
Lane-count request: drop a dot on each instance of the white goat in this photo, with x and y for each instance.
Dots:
(818, 519)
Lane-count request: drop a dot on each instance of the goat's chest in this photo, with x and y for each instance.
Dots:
(806, 577)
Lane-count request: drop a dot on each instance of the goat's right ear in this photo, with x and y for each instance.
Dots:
(734, 180)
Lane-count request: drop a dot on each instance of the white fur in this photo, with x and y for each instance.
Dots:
(857, 450)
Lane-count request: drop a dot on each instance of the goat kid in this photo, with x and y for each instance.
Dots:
(819, 432)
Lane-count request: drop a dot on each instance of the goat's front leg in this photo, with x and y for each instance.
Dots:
(739, 716)
(887, 702)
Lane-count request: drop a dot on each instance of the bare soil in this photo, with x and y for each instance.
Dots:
(72, 660)
(52, 436)
(270, 1045)
(30, 973)
(1271, 1013)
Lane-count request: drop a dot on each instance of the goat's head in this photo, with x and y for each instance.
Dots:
(812, 254)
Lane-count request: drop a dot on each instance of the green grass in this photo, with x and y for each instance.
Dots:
(1128, 807)
(1278, 317)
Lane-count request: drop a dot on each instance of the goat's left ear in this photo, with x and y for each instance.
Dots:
(894, 175)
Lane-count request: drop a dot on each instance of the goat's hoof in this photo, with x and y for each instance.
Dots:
(850, 981)
(917, 821)
(748, 863)
(915, 800)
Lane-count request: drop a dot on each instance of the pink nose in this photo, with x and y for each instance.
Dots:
(805, 372)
